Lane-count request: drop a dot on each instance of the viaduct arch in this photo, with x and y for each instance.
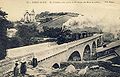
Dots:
(75, 56)
(86, 53)
(93, 52)
(56, 65)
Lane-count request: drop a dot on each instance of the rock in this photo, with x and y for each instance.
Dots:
(83, 71)
(70, 69)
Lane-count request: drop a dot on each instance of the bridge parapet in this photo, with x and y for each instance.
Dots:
(63, 47)
(53, 51)
(21, 51)
(77, 42)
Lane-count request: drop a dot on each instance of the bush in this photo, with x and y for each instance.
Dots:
(26, 32)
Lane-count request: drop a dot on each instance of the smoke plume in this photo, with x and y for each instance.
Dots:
(106, 24)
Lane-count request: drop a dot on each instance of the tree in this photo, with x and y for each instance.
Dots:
(10, 25)
(14, 42)
(26, 32)
(52, 32)
(3, 31)
(42, 14)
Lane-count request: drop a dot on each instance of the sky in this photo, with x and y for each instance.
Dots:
(105, 13)
(16, 8)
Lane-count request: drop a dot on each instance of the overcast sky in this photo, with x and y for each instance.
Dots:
(107, 14)
(16, 8)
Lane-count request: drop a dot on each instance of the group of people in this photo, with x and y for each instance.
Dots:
(23, 68)
(20, 71)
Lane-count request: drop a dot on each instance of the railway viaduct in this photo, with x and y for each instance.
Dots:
(79, 50)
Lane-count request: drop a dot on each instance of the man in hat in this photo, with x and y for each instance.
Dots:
(16, 70)
(23, 69)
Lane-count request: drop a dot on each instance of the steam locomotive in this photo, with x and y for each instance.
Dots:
(68, 37)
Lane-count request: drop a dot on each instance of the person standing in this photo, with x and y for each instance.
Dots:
(23, 69)
(16, 70)
(34, 62)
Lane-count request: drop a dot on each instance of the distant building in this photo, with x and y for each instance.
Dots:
(29, 16)
(32, 15)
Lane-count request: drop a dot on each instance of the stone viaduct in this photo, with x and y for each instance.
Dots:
(80, 50)
(50, 55)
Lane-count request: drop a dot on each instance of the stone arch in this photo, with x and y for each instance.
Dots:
(75, 56)
(55, 66)
(93, 52)
(87, 53)
(99, 42)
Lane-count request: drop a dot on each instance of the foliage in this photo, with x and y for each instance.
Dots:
(14, 42)
(47, 13)
(42, 14)
(26, 32)
(2, 13)
(10, 25)
(3, 30)
(52, 32)
(47, 16)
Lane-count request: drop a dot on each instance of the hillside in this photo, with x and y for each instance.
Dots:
(56, 22)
